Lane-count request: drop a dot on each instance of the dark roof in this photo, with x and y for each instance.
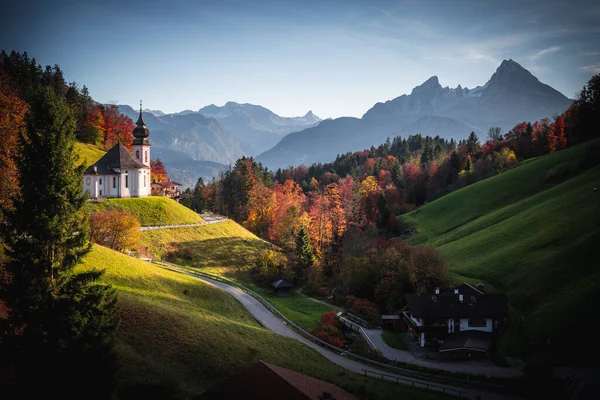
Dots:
(463, 288)
(116, 158)
(281, 284)
(264, 381)
(467, 340)
(449, 306)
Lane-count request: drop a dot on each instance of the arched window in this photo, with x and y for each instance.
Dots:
(146, 156)
(126, 180)
(137, 154)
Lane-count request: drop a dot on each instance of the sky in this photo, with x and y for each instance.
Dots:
(336, 58)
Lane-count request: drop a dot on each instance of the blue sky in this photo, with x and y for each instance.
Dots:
(336, 58)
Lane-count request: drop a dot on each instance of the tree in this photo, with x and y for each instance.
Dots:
(304, 251)
(472, 146)
(427, 269)
(158, 172)
(495, 134)
(118, 230)
(56, 316)
(198, 200)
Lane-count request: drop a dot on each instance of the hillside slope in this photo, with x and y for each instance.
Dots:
(532, 233)
(180, 336)
(151, 210)
(88, 153)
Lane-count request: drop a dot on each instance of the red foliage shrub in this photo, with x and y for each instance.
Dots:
(363, 307)
(330, 319)
(329, 338)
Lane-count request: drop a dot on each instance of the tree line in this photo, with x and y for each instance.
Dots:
(57, 323)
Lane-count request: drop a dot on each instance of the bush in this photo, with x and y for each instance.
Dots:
(364, 308)
(115, 229)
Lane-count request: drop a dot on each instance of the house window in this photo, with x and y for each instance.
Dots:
(477, 323)
(137, 154)
(126, 180)
(114, 182)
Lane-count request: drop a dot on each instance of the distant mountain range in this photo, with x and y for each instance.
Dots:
(511, 95)
(217, 136)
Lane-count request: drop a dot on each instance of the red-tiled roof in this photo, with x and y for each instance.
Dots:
(264, 381)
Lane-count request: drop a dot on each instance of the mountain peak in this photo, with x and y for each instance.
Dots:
(431, 85)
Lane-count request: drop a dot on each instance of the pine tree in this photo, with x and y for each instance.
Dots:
(472, 146)
(304, 252)
(198, 201)
(57, 317)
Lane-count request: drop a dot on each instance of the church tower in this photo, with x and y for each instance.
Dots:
(140, 147)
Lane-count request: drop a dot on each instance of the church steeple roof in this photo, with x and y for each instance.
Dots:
(141, 132)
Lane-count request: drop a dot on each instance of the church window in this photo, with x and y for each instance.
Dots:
(137, 154)
(146, 156)
(88, 181)
(114, 182)
(144, 180)
(126, 180)
(101, 181)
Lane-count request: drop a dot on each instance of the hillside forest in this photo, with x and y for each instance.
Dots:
(339, 223)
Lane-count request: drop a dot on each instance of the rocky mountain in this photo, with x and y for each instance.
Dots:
(511, 95)
(257, 128)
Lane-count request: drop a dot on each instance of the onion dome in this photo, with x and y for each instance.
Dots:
(141, 132)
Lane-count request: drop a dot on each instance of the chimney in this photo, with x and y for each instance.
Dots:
(437, 290)
(455, 291)
(460, 298)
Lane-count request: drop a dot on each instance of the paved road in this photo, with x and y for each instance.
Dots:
(274, 324)
(483, 367)
(208, 219)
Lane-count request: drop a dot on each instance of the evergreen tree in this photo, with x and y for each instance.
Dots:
(472, 146)
(60, 322)
(304, 252)
(198, 201)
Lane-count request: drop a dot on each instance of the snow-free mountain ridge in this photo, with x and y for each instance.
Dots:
(511, 95)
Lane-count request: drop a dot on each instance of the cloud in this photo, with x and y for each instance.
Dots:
(547, 51)
(592, 68)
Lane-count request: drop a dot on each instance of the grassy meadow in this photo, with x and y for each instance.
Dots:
(531, 233)
(228, 249)
(180, 336)
(153, 210)
(88, 153)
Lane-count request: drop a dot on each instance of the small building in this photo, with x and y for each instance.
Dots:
(166, 189)
(120, 173)
(282, 288)
(461, 320)
(264, 381)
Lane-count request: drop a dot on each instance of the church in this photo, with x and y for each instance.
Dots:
(120, 173)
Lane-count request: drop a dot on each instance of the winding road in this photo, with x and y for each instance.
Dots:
(269, 321)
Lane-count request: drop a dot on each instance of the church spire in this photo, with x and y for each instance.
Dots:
(140, 122)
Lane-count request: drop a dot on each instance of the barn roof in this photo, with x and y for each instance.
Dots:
(281, 284)
(116, 158)
(264, 381)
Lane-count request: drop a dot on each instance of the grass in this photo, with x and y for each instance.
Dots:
(88, 153)
(227, 249)
(394, 339)
(152, 210)
(180, 336)
(532, 238)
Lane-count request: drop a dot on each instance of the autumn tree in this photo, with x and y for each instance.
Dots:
(12, 125)
(115, 229)
(427, 269)
(116, 127)
(158, 172)
(495, 134)
(56, 314)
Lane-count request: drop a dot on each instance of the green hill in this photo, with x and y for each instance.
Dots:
(151, 210)
(531, 233)
(228, 249)
(180, 336)
(88, 153)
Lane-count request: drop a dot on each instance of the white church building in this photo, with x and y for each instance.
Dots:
(120, 173)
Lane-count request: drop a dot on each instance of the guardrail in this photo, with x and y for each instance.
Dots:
(314, 339)
(415, 384)
(357, 328)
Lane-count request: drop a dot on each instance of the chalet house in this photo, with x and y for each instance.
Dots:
(459, 320)
(120, 173)
(166, 189)
(264, 381)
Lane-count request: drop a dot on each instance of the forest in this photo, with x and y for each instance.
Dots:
(337, 223)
